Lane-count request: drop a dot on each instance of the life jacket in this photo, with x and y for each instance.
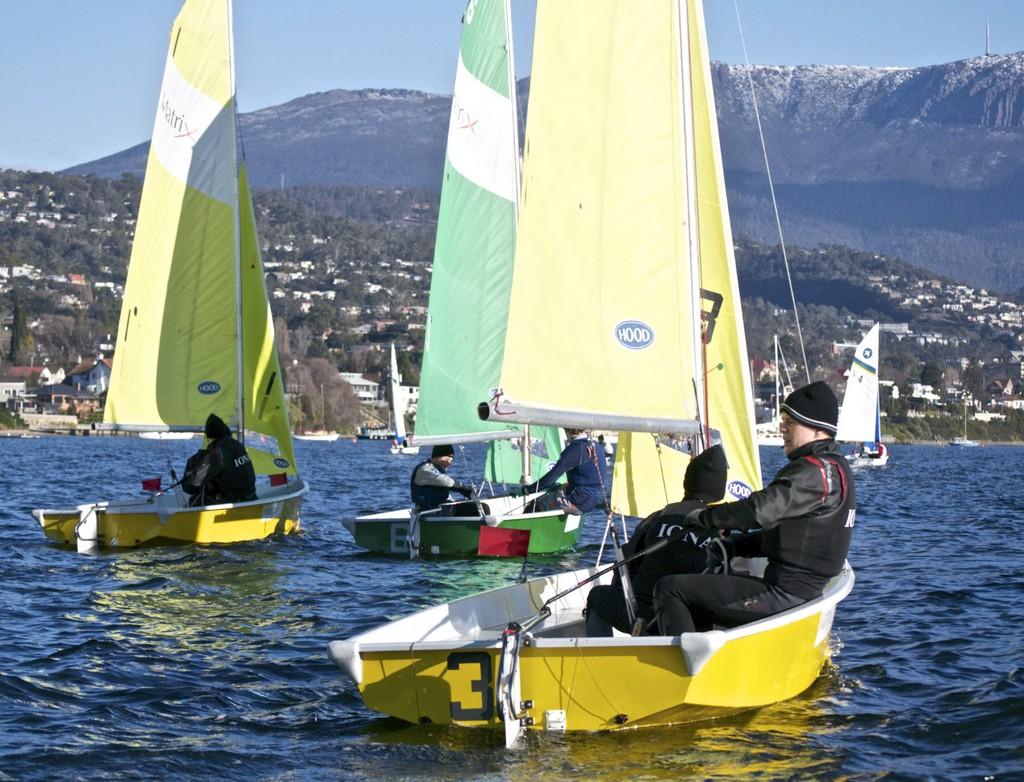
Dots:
(807, 550)
(427, 497)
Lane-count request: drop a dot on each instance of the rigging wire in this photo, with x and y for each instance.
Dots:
(771, 188)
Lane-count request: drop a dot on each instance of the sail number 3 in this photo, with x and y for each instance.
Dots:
(481, 684)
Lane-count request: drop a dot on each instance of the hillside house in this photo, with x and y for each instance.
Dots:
(62, 399)
(366, 391)
(91, 375)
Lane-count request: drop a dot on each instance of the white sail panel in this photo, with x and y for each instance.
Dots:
(481, 139)
(859, 413)
(194, 136)
(177, 351)
(397, 409)
(603, 240)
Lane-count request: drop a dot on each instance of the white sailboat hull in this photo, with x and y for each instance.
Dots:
(325, 437)
(868, 460)
(405, 450)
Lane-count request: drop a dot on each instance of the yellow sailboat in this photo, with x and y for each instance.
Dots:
(624, 228)
(195, 335)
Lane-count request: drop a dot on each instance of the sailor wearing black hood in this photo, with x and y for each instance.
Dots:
(222, 471)
(703, 483)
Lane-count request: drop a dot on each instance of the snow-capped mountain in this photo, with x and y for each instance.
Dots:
(924, 163)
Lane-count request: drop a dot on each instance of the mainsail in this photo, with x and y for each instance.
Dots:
(397, 409)
(474, 250)
(624, 232)
(195, 335)
(859, 415)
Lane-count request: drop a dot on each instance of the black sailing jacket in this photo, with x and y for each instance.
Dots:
(221, 472)
(803, 520)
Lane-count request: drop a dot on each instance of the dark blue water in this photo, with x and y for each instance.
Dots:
(210, 662)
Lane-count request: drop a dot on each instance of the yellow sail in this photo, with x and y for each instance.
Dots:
(730, 404)
(267, 431)
(624, 228)
(648, 473)
(195, 276)
(603, 237)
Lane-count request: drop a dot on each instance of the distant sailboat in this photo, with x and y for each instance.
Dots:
(400, 443)
(860, 418)
(963, 442)
(196, 334)
(320, 435)
(467, 320)
(625, 234)
(769, 432)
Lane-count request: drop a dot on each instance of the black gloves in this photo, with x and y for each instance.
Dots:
(718, 552)
(463, 489)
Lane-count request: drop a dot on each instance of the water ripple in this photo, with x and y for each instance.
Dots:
(207, 662)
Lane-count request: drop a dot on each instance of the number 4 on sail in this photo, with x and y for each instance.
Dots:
(195, 335)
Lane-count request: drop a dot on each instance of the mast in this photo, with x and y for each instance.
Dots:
(693, 239)
(524, 442)
(237, 225)
(775, 345)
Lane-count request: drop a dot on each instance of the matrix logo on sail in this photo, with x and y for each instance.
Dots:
(634, 335)
(177, 121)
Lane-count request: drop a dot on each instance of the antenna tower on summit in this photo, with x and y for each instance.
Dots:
(988, 38)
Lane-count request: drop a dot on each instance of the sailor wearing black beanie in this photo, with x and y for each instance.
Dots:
(815, 406)
(801, 522)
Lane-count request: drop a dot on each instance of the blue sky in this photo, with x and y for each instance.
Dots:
(80, 78)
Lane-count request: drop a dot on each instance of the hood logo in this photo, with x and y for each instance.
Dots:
(208, 387)
(634, 335)
(739, 489)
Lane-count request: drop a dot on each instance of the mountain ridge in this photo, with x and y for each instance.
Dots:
(924, 163)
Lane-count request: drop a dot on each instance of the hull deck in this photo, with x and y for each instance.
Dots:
(162, 519)
(454, 529)
(441, 665)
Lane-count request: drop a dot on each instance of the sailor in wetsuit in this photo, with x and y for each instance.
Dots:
(430, 481)
(802, 522)
(704, 482)
(220, 472)
(582, 462)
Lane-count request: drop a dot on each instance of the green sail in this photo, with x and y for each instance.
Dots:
(476, 234)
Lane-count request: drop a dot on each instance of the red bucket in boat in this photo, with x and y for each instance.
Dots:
(151, 484)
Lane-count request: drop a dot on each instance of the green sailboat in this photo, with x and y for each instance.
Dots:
(469, 298)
